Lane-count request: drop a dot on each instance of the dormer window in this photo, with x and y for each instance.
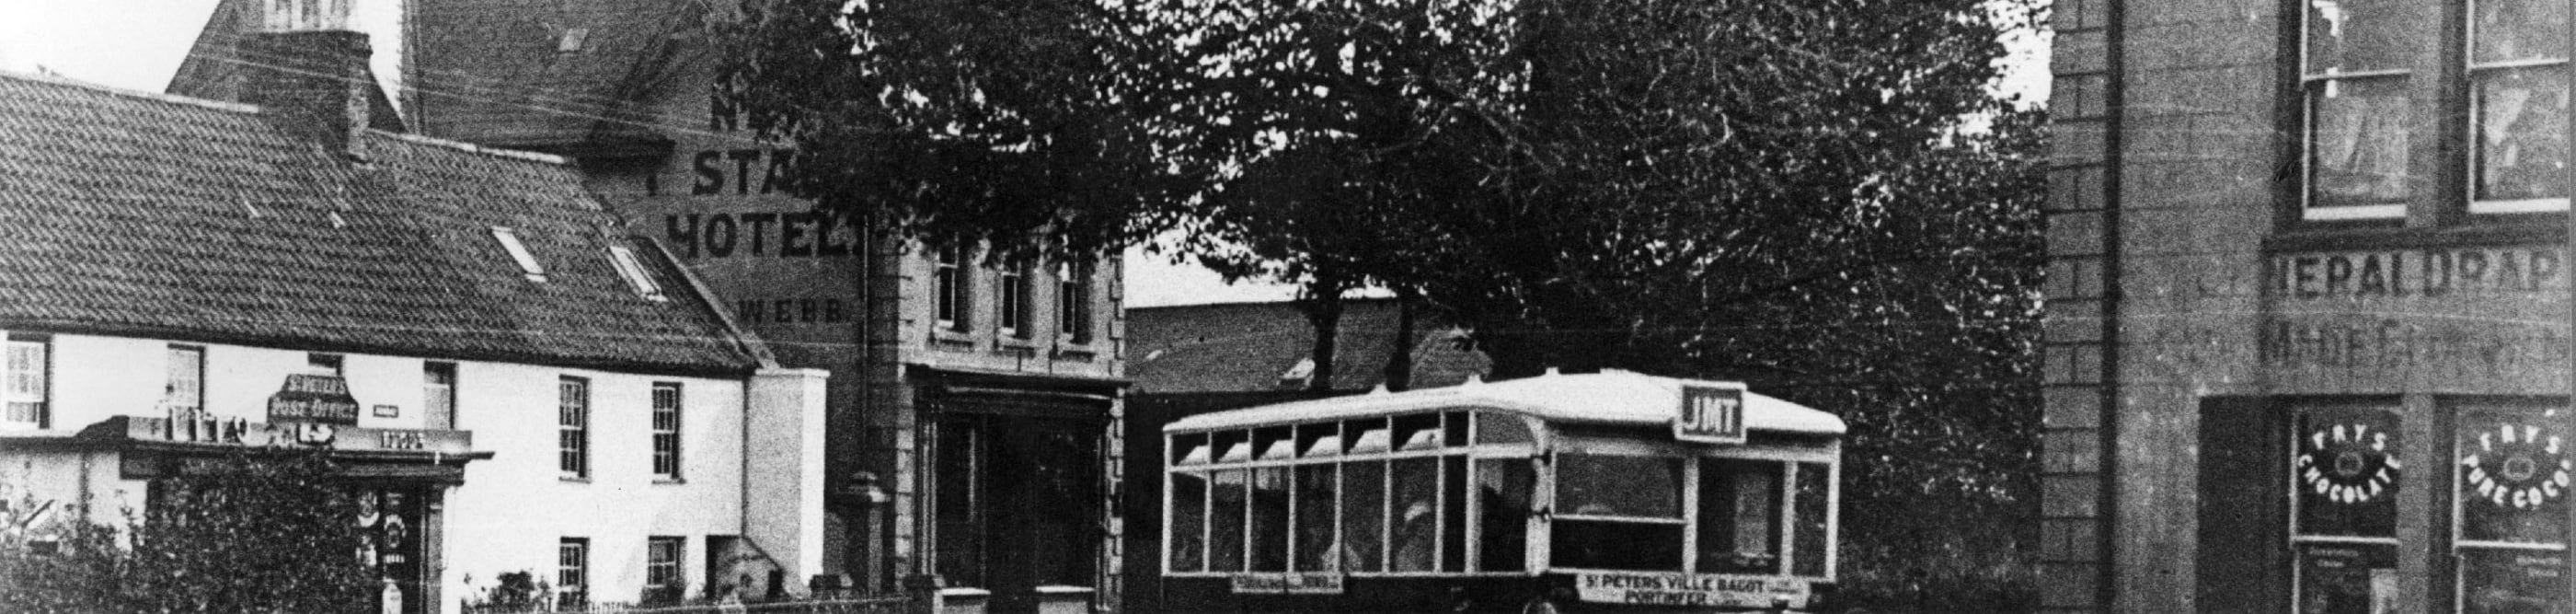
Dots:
(633, 270)
(519, 252)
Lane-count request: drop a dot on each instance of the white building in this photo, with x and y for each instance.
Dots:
(522, 383)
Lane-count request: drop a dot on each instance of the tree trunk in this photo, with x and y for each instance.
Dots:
(1322, 303)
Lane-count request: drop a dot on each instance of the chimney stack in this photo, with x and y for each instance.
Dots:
(308, 72)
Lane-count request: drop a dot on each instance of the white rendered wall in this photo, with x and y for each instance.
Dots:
(513, 508)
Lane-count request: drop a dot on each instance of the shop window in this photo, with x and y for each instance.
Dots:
(28, 392)
(2510, 500)
(572, 417)
(572, 572)
(666, 430)
(1739, 516)
(2343, 532)
(662, 581)
(438, 394)
(1073, 301)
(184, 389)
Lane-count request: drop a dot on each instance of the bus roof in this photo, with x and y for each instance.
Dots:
(1609, 397)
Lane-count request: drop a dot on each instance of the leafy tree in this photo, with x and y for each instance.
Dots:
(1825, 199)
(254, 533)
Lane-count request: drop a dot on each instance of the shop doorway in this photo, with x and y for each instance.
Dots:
(1019, 504)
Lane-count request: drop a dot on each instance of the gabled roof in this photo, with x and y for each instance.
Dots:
(1244, 347)
(499, 72)
(138, 214)
(1619, 398)
(215, 64)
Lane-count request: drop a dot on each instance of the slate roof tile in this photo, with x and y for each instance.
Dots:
(136, 213)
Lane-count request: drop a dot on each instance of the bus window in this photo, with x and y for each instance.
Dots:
(1231, 447)
(1190, 450)
(1371, 436)
(1453, 508)
(1622, 486)
(1189, 521)
(1417, 432)
(1454, 427)
(1617, 512)
(1315, 521)
(1275, 444)
(1225, 520)
(1502, 513)
(1739, 516)
(1319, 440)
(1270, 519)
(1499, 427)
(1364, 522)
(1415, 513)
(1815, 482)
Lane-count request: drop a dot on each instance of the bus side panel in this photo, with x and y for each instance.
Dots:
(1498, 595)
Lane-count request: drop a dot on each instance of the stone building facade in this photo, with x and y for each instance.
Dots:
(2307, 344)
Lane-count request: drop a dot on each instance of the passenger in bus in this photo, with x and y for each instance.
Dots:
(1416, 538)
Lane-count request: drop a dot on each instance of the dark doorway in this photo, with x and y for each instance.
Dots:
(1019, 503)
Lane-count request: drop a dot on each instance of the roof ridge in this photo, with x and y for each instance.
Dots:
(56, 79)
(473, 148)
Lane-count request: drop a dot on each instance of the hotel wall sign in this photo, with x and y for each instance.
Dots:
(313, 398)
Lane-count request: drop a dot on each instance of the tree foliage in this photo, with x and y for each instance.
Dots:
(1826, 199)
(250, 534)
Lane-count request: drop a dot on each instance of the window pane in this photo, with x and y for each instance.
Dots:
(1453, 511)
(186, 387)
(1499, 427)
(1416, 509)
(2512, 581)
(1600, 485)
(2360, 35)
(1188, 540)
(2514, 473)
(1739, 516)
(1503, 488)
(1363, 527)
(2357, 150)
(1270, 519)
(1225, 535)
(1815, 484)
(1595, 544)
(2522, 133)
(1316, 501)
(2346, 472)
(2347, 578)
(2508, 30)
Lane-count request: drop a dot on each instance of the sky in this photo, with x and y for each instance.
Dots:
(137, 45)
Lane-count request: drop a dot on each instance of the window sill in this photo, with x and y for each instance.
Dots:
(2514, 230)
(669, 482)
(573, 480)
(952, 339)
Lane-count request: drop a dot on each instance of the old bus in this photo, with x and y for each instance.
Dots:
(1612, 491)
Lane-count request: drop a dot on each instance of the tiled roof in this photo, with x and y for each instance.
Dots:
(152, 215)
(1244, 347)
(499, 72)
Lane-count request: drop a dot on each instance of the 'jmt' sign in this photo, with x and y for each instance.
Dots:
(1710, 415)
